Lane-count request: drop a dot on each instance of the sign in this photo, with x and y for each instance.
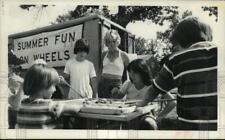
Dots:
(55, 47)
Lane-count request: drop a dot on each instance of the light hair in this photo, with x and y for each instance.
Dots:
(38, 77)
(112, 35)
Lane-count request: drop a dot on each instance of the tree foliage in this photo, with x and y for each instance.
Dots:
(213, 11)
(128, 14)
(125, 14)
(175, 19)
(28, 7)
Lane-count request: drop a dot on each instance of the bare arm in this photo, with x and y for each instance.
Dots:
(101, 64)
(125, 58)
(116, 93)
(151, 94)
(94, 85)
(68, 108)
(169, 106)
(59, 108)
(65, 77)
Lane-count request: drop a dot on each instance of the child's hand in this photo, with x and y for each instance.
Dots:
(57, 109)
(115, 91)
(77, 108)
(159, 119)
(62, 79)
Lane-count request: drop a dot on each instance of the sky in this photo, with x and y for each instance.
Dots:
(23, 20)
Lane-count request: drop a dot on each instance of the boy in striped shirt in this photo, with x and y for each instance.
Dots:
(193, 70)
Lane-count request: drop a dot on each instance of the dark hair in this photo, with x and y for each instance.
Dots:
(81, 45)
(140, 66)
(38, 77)
(190, 31)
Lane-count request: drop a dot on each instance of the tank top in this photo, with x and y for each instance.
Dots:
(115, 68)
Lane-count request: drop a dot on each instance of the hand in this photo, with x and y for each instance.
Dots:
(95, 95)
(77, 108)
(159, 119)
(114, 91)
(14, 83)
(62, 79)
(141, 109)
(58, 109)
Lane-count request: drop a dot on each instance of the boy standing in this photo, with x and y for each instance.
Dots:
(81, 73)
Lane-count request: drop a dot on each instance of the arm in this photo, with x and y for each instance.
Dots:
(101, 63)
(67, 77)
(58, 108)
(125, 58)
(15, 100)
(68, 108)
(151, 94)
(66, 74)
(116, 93)
(169, 106)
(120, 93)
(93, 80)
(94, 85)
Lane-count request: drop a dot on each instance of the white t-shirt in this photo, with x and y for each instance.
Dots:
(80, 75)
(131, 92)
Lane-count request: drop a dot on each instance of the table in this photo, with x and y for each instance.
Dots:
(102, 121)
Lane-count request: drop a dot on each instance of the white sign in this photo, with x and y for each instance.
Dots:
(55, 47)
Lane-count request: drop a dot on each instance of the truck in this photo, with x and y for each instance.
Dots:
(55, 43)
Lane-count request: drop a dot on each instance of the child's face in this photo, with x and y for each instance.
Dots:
(47, 93)
(81, 56)
(135, 77)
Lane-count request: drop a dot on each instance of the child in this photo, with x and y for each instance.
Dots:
(81, 73)
(38, 111)
(192, 69)
(137, 87)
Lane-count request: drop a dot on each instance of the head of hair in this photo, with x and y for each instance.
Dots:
(140, 66)
(81, 45)
(39, 61)
(112, 36)
(39, 77)
(190, 31)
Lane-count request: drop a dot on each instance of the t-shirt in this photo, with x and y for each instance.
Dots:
(80, 75)
(194, 72)
(37, 114)
(131, 92)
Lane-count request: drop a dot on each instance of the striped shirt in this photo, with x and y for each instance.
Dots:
(194, 72)
(36, 114)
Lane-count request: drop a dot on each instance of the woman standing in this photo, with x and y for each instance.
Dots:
(114, 62)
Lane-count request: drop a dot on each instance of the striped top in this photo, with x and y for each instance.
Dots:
(194, 72)
(36, 114)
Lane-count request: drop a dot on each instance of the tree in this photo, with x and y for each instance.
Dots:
(125, 15)
(27, 7)
(174, 20)
(213, 11)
